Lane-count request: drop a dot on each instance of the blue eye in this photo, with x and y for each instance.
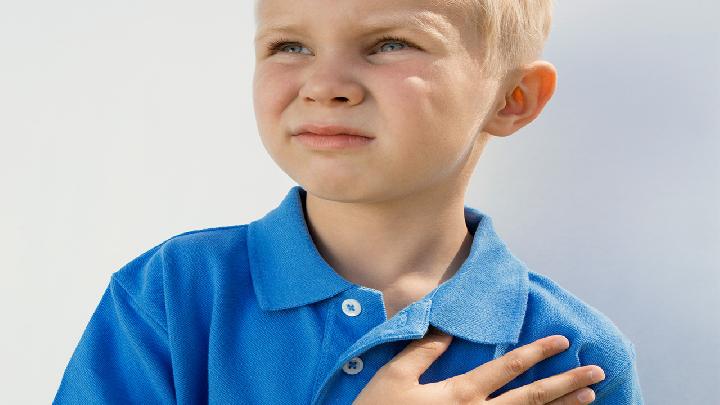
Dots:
(395, 40)
(283, 45)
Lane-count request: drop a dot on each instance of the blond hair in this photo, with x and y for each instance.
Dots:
(512, 32)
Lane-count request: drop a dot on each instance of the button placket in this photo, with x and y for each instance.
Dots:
(351, 307)
(410, 323)
(362, 310)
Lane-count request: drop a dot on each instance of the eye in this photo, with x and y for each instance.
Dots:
(281, 44)
(395, 40)
(286, 46)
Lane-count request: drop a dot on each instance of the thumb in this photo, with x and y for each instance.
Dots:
(419, 354)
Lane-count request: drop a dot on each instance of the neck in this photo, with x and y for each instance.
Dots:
(393, 246)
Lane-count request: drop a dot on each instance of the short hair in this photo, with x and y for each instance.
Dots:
(512, 32)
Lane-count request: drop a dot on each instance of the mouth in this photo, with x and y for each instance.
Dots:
(331, 137)
(330, 130)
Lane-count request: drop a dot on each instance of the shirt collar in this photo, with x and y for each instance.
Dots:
(484, 301)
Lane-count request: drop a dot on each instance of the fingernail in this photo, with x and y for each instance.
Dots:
(596, 375)
(586, 395)
(562, 342)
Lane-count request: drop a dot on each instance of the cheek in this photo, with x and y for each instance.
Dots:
(270, 99)
(271, 94)
(431, 115)
(424, 107)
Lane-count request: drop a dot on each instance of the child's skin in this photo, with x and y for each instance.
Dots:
(397, 382)
(388, 215)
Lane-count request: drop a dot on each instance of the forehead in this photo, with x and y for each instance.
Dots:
(438, 15)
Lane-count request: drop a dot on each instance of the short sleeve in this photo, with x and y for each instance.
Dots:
(621, 389)
(123, 355)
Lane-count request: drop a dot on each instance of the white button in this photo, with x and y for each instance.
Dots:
(353, 366)
(351, 307)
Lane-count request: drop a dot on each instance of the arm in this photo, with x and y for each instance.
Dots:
(123, 355)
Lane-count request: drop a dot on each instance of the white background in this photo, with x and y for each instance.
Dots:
(123, 123)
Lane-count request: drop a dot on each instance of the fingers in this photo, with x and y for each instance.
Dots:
(557, 387)
(494, 374)
(418, 355)
(579, 397)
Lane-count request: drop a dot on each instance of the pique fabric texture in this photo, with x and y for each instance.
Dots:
(252, 314)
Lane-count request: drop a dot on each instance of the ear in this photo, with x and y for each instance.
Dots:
(530, 89)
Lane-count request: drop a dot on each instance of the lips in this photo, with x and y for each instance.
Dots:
(330, 130)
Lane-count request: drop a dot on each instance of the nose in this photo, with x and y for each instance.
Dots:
(332, 84)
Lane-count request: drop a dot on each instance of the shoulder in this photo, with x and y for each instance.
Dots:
(189, 263)
(198, 245)
(594, 337)
(210, 240)
(207, 245)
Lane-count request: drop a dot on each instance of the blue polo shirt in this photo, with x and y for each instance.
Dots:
(252, 314)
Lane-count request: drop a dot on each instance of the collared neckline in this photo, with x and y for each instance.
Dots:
(484, 301)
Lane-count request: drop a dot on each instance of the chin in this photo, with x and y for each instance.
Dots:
(336, 189)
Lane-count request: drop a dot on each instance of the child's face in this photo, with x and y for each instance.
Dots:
(424, 101)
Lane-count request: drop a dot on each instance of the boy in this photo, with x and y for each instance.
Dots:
(380, 110)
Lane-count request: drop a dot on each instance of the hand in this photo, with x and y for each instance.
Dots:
(397, 382)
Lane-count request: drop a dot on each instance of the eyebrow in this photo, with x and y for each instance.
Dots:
(422, 23)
